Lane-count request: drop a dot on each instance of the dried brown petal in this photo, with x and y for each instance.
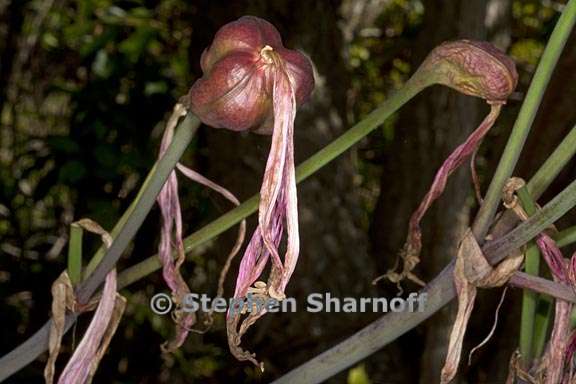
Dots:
(62, 300)
(471, 271)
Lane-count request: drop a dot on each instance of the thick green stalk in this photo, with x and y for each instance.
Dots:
(529, 298)
(567, 236)
(525, 118)
(541, 324)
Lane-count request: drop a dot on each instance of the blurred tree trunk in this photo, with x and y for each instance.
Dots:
(428, 129)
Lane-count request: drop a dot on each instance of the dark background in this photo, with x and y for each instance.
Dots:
(85, 87)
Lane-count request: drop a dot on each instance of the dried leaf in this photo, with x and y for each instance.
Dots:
(84, 361)
(62, 300)
(472, 270)
(94, 227)
(466, 296)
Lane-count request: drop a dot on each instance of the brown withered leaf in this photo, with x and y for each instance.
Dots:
(472, 270)
(94, 227)
(62, 300)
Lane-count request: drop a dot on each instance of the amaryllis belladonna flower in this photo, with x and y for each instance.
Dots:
(474, 68)
(251, 82)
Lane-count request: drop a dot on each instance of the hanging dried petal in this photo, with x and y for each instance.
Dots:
(62, 300)
(472, 270)
(473, 68)
(171, 236)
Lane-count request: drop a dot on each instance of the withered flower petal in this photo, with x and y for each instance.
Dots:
(474, 68)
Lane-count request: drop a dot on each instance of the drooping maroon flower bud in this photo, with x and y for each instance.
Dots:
(474, 68)
(251, 82)
(239, 68)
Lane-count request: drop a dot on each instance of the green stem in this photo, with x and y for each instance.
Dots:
(541, 324)
(565, 237)
(529, 298)
(75, 254)
(525, 118)
(554, 164)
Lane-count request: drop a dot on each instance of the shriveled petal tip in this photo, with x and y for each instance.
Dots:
(476, 68)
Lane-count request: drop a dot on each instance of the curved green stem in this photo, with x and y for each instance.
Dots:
(553, 165)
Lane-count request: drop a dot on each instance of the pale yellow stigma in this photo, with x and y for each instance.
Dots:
(267, 54)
